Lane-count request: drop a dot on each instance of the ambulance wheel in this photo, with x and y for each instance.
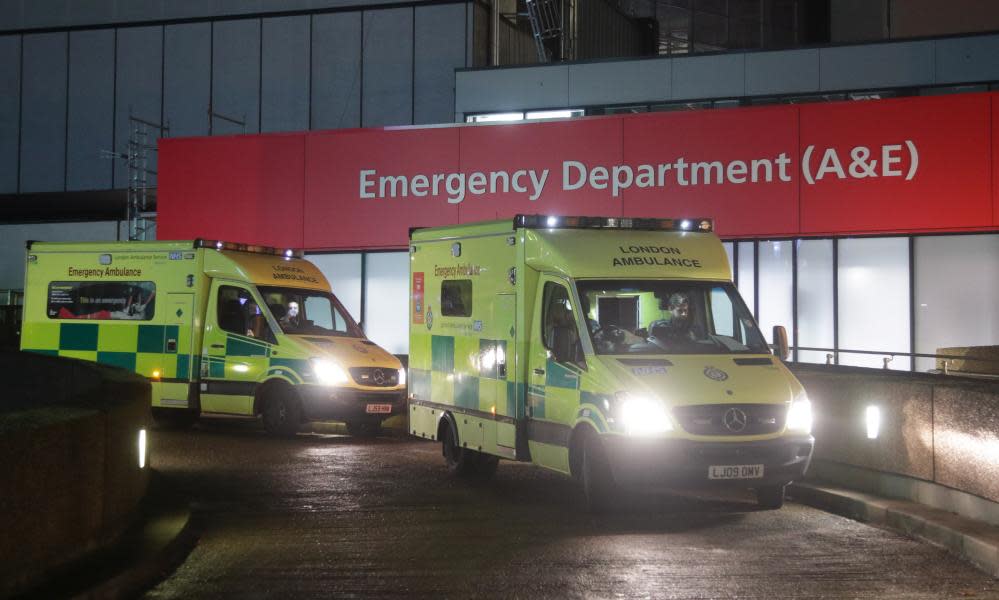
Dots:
(367, 429)
(597, 482)
(282, 413)
(460, 462)
(770, 497)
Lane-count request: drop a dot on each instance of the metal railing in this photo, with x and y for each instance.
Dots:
(833, 355)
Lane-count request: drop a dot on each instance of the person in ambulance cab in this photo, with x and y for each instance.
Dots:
(291, 318)
(677, 331)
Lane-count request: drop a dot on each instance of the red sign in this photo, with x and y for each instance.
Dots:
(903, 165)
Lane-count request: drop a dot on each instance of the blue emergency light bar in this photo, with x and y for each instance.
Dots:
(220, 245)
(557, 222)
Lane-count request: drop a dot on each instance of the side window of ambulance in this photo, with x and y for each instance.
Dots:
(238, 313)
(103, 301)
(559, 329)
(456, 298)
(722, 313)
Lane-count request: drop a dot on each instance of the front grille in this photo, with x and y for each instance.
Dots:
(711, 419)
(375, 376)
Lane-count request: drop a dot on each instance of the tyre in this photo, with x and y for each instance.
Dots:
(173, 418)
(460, 462)
(368, 429)
(770, 497)
(598, 485)
(282, 413)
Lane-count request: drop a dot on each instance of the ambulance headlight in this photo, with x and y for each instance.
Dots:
(328, 372)
(641, 415)
(402, 376)
(799, 416)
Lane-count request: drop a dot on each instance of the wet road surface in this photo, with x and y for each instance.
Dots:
(338, 517)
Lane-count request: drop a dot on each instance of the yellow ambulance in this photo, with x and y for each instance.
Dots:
(217, 327)
(614, 350)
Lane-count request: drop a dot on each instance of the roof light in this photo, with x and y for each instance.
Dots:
(220, 245)
(557, 222)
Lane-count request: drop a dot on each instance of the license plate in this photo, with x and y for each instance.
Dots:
(378, 408)
(735, 471)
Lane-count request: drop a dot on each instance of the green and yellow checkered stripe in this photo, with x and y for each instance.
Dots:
(139, 348)
(463, 371)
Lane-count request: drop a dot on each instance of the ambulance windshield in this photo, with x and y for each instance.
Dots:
(667, 317)
(308, 312)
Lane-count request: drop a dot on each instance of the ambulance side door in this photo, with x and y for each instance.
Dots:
(236, 349)
(554, 371)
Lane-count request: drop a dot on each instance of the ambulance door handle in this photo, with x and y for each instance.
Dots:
(218, 345)
(539, 371)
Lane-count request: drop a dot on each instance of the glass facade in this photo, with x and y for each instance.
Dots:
(848, 301)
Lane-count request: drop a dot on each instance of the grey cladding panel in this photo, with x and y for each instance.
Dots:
(187, 63)
(440, 49)
(876, 66)
(236, 75)
(619, 82)
(387, 63)
(91, 109)
(718, 76)
(43, 118)
(137, 89)
(967, 59)
(336, 70)
(789, 72)
(512, 89)
(284, 95)
(10, 111)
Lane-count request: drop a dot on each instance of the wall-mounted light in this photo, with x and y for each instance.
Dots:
(873, 418)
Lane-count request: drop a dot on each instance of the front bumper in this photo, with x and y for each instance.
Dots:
(321, 403)
(659, 462)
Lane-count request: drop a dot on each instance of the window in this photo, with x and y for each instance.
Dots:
(775, 286)
(105, 300)
(344, 274)
(558, 325)
(675, 317)
(239, 313)
(534, 115)
(957, 292)
(815, 299)
(874, 300)
(456, 298)
(386, 300)
(745, 271)
(308, 312)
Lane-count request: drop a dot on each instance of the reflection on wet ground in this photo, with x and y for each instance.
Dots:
(335, 516)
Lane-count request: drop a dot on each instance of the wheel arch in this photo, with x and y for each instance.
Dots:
(274, 385)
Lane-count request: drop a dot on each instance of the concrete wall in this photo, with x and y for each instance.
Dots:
(946, 61)
(70, 476)
(938, 429)
(67, 94)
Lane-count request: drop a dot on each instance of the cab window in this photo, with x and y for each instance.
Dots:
(240, 314)
(560, 333)
(308, 312)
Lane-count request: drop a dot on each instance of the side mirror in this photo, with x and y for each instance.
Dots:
(781, 349)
